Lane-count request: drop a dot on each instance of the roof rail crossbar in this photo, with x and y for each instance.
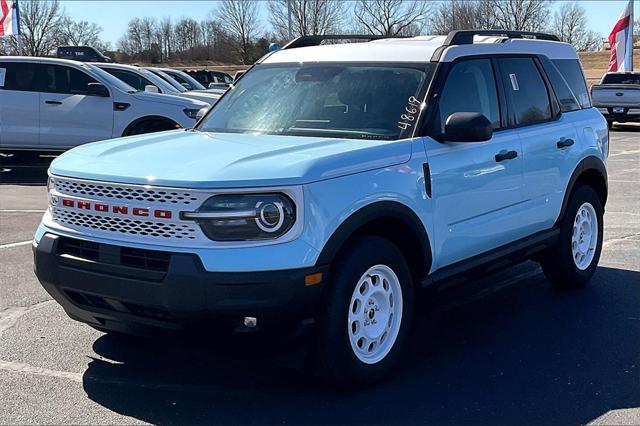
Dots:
(316, 40)
(459, 37)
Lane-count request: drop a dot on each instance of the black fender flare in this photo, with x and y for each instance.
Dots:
(139, 120)
(366, 215)
(587, 164)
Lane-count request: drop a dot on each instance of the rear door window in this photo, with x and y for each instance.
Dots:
(21, 76)
(525, 91)
(572, 73)
(565, 95)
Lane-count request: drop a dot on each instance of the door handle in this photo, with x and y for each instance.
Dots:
(563, 143)
(508, 155)
(53, 102)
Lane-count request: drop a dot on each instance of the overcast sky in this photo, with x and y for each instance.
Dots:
(113, 16)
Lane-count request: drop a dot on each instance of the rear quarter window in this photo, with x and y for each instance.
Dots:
(571, 70)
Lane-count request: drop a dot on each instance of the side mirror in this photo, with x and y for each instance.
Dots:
(97, 89)
(201, 113)
(211, 85)
(467, 127)
(151, 88)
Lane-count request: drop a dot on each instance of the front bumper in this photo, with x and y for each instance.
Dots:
(129, 290)
(626, 116)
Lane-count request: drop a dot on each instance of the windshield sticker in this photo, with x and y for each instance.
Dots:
(3, 72)
(407, 119)
(514, 82)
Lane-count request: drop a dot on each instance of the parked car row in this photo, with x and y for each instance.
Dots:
(53, 104)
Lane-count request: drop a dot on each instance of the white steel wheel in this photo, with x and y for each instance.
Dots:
(375, 314)
(584, 238)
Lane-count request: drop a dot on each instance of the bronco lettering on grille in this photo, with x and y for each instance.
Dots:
(116, 209)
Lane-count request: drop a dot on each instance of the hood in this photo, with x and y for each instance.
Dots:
(208, 98)
(170, 100)
(192, 159)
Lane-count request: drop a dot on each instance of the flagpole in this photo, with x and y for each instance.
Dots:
(18, 35)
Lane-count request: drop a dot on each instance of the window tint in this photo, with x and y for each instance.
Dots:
(351, 100)
(525, 90)
(132, 79)
(21, 76)
(179, 79)
(572, 73)
(470, 87)
(568, 101)
(621, 79)
(61, 79)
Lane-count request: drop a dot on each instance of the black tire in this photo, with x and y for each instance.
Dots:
(150, 126)
(558, 263)
(336, 361)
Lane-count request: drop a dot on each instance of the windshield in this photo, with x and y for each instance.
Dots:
(158, 81)
(183, 77)
(621, 79)
(365, 101)
(166, 77)
(113, 81)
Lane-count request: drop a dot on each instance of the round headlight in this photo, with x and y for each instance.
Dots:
(233, 217)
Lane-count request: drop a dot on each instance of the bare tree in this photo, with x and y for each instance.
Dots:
(462, 14)
(40, 26)
(82, 33)
(391, 17)
(571, 26)
(239, 18)
(521, 15)
(308, 17)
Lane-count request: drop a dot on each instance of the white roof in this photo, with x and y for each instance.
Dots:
(419, 49)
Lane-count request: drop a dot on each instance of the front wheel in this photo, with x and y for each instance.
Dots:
(574, 258)
(366, 313)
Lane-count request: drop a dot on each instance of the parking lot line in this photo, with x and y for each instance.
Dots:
(21, 243)
(22, 211)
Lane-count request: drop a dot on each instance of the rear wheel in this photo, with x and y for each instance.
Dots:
(366, 313)
(574, 258)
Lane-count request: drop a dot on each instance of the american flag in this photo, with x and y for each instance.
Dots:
(621, 42)
(9, 18)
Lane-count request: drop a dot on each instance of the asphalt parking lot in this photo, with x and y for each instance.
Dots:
(508, 349)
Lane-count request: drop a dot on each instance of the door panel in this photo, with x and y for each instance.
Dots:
(476, 186)
(68, 116)
(546, 149)
(19, 106)
(475, 197)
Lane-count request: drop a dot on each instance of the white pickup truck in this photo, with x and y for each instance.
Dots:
(618, 97)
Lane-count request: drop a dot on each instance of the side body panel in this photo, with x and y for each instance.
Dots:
(19, 119)
(68, 120)
(477, 200)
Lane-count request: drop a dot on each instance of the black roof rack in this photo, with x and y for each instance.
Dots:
(316, 40)
(466, 37)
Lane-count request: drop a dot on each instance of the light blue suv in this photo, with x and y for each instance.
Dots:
(332, 182)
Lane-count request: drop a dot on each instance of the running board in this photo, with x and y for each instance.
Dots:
(494, 260)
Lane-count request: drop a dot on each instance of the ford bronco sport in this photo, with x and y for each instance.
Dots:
(332, 182)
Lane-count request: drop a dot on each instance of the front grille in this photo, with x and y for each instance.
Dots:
(79, 248)
(145, 259)
(181, 231)
(124, 192)
(151, 260)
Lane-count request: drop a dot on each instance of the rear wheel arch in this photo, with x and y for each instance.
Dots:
(391, 220)
(171, 124)
(590, 171)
